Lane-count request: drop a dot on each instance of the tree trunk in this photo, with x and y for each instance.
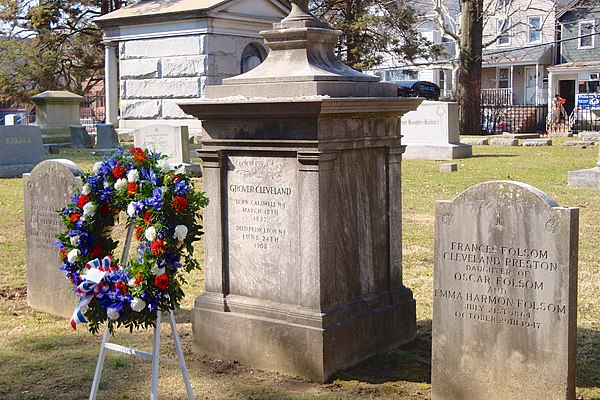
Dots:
(469, 69)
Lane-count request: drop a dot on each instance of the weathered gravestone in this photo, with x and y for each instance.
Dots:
(107, 139)
(21, 149)
(586, 178)
(80, 138)
(505, 295)
(174, 141)
(48, 187)
(55, 111)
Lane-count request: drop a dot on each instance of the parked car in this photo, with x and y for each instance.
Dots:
(428, 90)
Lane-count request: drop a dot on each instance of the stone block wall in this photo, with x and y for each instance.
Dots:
(158, 73)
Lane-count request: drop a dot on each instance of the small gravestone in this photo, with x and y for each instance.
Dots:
(537, 142)
(48, 187)
(449, 167)
(10, 119)
(174, 141)
(476, 141)
(505, 295)
(107, 139)
(586, 178)
(504, 142)
(21, 149)
(80, 138)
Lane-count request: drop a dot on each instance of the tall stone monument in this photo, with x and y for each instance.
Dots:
(504, 295)
(303, 252)
(48, 187)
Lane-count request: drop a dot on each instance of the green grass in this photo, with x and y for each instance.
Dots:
(42, 358)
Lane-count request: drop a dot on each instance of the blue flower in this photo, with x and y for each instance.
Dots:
(156, 199)
(181, 187)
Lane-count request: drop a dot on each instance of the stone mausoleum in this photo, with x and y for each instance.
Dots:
(168, 52)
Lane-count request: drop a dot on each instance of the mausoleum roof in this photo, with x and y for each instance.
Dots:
(148, 8)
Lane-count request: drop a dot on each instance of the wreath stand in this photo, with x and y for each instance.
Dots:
(154, 356)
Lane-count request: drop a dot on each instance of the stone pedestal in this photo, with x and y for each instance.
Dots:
(55, 111)
(303, 242)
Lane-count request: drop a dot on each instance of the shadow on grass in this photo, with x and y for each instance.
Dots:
(410, 362)
(588, 359)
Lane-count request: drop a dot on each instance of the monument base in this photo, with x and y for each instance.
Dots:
(310, 343)
(56, 135)
(586, 178)
(437, 151)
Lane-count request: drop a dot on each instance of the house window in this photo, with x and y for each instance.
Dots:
(534, 32)
(503, 78)
(586, 34)
(442, 79)
(502, 5)
(503, 25)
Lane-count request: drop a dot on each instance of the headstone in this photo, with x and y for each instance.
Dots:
(107, 139)
(537, 142)
(579, 144)
(52, 148)
(449, 167)
(174, 141)
(592, 136)
(476, 141)
(586, 178)
(298, 280)
(10, 119)
(504, 142)
(48, 187)
(505, 295)
(431, 133)
(80, 138)
(55, 111)
(21, 149)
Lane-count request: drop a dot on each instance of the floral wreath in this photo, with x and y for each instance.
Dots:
(163, 207)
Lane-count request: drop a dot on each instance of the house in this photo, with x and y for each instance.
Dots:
(167, 52)
(577, 75)
(518, 39)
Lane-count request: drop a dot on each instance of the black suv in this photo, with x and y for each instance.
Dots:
(428, 90)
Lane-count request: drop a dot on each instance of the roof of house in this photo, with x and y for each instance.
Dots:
(578, 64)
(533, 54)
(564, 6)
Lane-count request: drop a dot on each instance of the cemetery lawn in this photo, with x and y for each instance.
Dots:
(43, 358)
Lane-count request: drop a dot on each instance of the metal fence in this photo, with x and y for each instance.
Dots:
(585, 120)
(497, 119)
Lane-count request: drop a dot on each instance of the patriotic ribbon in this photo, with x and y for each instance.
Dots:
(91, 286)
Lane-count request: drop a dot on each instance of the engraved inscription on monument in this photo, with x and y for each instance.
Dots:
(504, 295)
(262, 223)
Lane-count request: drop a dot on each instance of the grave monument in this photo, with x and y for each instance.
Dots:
(21, 149)
(303, 244)
(55, 111)
(504, 295)
(48, 188)
(173, 141)
(586, 178)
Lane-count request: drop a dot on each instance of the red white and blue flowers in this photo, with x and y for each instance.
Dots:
(164, 209)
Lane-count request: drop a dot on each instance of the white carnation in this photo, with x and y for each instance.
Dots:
(150, 234)
(164, 165)
(137, 304)
(86, 189)
(131, 210)
(180, 170)
(74, 240)
(156, 270)
(97, 167)
(73, 255)
(89, 209)
(107, 184)
(112, 313)
(133, 175)
(121, 184)
(181, 232)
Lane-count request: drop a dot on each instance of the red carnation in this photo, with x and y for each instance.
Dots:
(63, 254)
(138, 155)
(104, 208)
(122, 287)
(138, 279)
(161, 281)
(179, 204)
(83, 200)
(96, 251)
(119, 171)
(139, 232)
(158, 247)
(148, 218)
(74, 217)
(132, 188)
